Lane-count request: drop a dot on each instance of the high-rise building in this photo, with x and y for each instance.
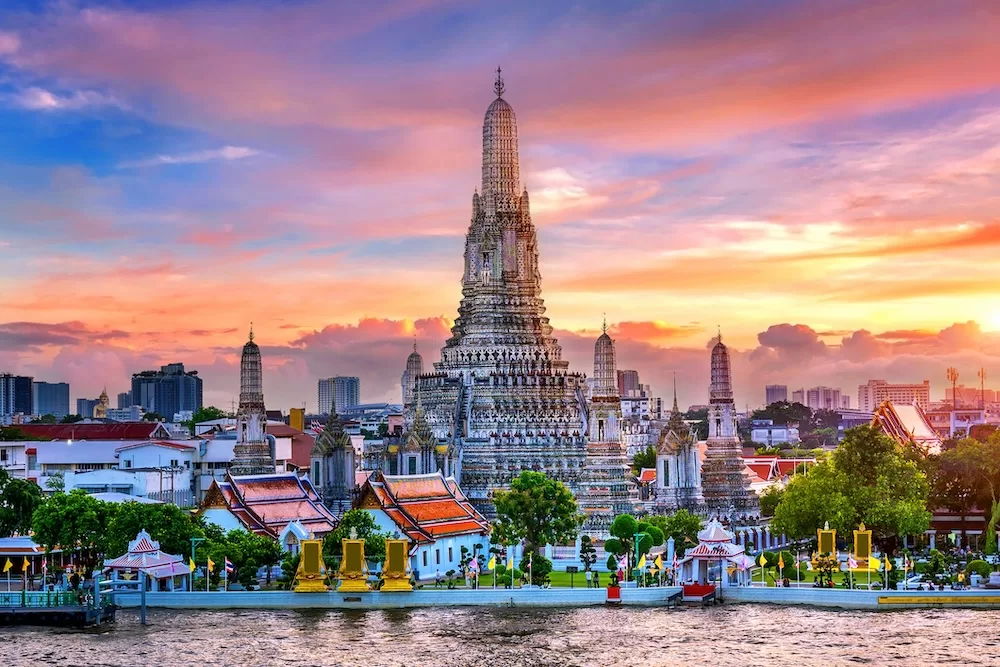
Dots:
(775, 393)
(845, 401)
(342, 391)
(15, 396)
(125, 400)
(85, 406)
(628, 381)
(725, 486)
(50, 398)
(502, 394)
(799, 396)
(876, 392)
(823, 398)
(414, 367)
(252, 454)
(167, 391)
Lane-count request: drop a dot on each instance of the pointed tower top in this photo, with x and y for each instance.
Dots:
(498, 84)
(719, 329)
(676, 409)
(251, 331)
(414, 342)
(604, 325)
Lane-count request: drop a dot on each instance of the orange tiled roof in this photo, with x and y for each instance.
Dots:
(265, 504)
(423, 506)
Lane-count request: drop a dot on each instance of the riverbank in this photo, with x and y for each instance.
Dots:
(566, 598)
(482, 597)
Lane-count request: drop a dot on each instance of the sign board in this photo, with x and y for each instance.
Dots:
(572, 569)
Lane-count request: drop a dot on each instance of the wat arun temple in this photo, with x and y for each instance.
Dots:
(502, 399)
(502, 395)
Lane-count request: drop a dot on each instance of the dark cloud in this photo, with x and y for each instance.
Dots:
(31, 336)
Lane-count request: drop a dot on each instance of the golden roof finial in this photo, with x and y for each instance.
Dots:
(498, 85)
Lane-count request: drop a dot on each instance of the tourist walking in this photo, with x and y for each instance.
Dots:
(588, 578)
(437, 578)
(597, 579)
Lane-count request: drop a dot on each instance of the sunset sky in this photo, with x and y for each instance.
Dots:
(821, 180)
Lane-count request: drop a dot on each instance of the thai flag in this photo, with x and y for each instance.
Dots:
(229, 566)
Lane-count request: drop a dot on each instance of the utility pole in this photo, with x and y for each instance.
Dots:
(953, 378)
(982, 388)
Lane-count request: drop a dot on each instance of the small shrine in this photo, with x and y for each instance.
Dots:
(163, 571)
(715, 547)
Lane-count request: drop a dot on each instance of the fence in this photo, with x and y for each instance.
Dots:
(39, 599)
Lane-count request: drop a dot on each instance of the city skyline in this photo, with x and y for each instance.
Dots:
(325, 199)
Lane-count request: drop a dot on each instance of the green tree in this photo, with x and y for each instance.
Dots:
(14, 434)
(18, 500)
(975, 468)
(700, 417)
(588, 554)
(538, 510)
(169, 525)
(45, 419)
(152, 417)
(56, 483)
(868, 479)
(203, 414)
(538, 566)
(769, 500)
(74, 520)
(682, 525)
(365, 528)
(71, 419)
(783, 412)
(645, 458)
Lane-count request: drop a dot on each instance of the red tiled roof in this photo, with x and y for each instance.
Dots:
(424, 506)
(647, 475)
(129, 431)
(266, 504)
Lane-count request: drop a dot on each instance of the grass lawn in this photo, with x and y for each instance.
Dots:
(558, 580)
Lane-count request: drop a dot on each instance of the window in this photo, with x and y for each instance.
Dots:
(425, 559)
(127, 463)
(450, 556)
(174, 463)
(437, 556)
(3, 454)
(411, 463)
(316, 472)
(666, 472)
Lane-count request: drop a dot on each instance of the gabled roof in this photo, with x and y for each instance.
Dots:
(266, 504)
(179, 446)
(129, 431)
(424, 507)
(144, 554)
(907, 425)
(647, 475)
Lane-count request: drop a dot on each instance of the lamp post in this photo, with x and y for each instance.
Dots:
(194, 541)
(953, 378)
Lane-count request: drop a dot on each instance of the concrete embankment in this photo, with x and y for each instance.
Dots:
(862, 599)
(555, 597)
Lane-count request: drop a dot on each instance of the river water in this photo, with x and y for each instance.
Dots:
(729, 636)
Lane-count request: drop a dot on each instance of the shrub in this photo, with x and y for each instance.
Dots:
(980, 567)
(540, 567)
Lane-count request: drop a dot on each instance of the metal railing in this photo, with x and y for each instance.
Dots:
(41, 599)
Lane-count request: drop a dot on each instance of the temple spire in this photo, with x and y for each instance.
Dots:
(251, 331)
(676, 409)
(498, 84)
(604, 325)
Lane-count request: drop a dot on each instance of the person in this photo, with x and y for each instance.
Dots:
(597, 579)
(437, 578)
(588, 578)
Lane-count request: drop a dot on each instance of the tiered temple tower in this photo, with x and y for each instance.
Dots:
(502, 394)
(333, 466)
(606, 490)
(414, 367)
(725, 485)
(252, 454)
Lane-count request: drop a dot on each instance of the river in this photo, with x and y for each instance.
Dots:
(729, 636)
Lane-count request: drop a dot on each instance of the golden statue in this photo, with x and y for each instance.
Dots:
(353, 573)
(396, 569)
(862, 546)
(311, 575)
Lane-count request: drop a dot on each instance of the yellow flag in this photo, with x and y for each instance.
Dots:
(874, 564)
(642, 562)
(658, 563)
(762, 561)
(510, 564)
(781, 562)
(191, 564)
(888, 565)
(26, 565)
(7, 565)
(211, 565)
(492, 565)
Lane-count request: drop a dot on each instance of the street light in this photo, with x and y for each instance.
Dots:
(953, 378)
(194, 541)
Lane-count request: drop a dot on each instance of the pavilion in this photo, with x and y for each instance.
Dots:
(164, 572)
(715, 545)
